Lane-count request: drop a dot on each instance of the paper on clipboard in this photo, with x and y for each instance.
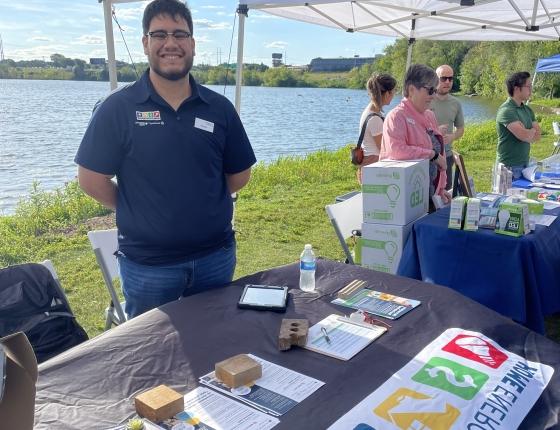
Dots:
(343, 339)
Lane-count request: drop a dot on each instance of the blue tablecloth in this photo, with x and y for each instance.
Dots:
(516, 276)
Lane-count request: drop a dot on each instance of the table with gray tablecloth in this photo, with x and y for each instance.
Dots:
(94, 384)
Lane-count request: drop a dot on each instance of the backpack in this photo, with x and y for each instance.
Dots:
(31, 301)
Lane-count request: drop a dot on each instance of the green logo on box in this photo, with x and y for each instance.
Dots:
(450, 376)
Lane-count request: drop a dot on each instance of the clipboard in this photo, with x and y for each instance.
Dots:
(341, 338)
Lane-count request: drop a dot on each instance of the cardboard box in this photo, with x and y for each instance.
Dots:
(535, 207)
(395, 192)
(382, 245)
(513, 219)
(472, 215)
(457, 212)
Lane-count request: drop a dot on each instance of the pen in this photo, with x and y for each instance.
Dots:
(326, 334)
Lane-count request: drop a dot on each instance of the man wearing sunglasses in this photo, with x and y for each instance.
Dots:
(178, 151)
(449, 115)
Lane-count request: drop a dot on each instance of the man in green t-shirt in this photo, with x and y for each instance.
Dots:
(516, 125)
(449, 115)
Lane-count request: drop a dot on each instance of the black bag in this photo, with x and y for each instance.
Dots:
(357, 153)
(31, 301)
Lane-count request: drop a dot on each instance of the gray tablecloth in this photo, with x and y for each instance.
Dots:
(93, 385)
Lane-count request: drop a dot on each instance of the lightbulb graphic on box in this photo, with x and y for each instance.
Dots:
(503, 217)
(408, 409)
(389, 247)
(393, 192)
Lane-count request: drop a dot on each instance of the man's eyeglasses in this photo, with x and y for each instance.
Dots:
(446, 78)
(430, 90)
(161, 35)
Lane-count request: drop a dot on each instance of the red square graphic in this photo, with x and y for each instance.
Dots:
(476, 349)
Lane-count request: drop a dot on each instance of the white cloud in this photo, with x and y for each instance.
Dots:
(130, 13)
(203, 39)
(276, 45)
(89, 39)
(40, 39)
(211, 25)
(211, 7)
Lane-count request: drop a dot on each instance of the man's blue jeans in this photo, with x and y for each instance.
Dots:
(516, 171)
(147, 287)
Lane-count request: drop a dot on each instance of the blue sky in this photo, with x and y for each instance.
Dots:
(35, 29)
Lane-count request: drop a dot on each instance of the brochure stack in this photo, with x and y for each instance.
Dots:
(395, 194)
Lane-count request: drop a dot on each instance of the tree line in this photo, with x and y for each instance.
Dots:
(480, 68)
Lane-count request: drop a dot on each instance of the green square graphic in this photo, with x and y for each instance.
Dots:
(450, 376)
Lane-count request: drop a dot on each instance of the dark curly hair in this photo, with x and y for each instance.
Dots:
(172, 8)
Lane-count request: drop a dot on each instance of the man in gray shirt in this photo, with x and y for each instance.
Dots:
(449, 115)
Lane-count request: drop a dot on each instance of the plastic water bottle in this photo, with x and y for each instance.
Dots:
(307, 265)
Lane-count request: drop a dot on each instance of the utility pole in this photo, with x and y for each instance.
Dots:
(1, 49)
(218, 56)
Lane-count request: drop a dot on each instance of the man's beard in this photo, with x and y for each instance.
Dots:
(173, 75)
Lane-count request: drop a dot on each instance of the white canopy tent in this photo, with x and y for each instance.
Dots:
(413, 19)
(416, 19)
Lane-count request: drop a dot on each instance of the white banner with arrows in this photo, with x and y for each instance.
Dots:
(462, 380)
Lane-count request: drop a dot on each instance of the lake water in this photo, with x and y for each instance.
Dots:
(42, 123)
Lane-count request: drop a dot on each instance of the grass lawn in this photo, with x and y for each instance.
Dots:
(280, 210)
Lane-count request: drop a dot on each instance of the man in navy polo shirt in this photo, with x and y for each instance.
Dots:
(178, 150)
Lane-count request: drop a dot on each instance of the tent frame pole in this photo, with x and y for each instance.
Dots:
(242, 11)
(111, 62)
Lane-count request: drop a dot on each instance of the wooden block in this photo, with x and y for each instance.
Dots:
(292, 332)
(159, 403)
(352, 288)
(238, 370)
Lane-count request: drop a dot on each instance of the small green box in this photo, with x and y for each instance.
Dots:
(513, 219)
(535, 207)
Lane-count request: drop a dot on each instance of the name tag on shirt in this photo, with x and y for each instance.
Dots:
(204, 125)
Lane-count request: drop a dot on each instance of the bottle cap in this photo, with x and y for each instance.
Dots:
(308, 246)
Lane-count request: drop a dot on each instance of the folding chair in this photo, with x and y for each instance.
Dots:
(346, 217)
(105, 244)
(461, 184)
(62, 296)
(556, 129)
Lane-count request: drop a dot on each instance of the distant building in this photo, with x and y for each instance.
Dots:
(276, 59)
(338, 64)
(97, 61)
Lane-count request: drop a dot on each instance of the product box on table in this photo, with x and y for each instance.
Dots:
(395, 192)
(513, 219)
(472, 215)
(457, 212)
(381, 246)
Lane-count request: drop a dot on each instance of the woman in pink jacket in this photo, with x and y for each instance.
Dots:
(410, 130)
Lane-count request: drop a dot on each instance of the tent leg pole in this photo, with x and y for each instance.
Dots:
(409, 55)
(111, 63)
(242, 12)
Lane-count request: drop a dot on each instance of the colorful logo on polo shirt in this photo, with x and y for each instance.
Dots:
(476, 349)
(148, 116)
(452, 377)
(408, 409)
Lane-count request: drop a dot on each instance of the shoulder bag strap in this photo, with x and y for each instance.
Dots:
(363, 132)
